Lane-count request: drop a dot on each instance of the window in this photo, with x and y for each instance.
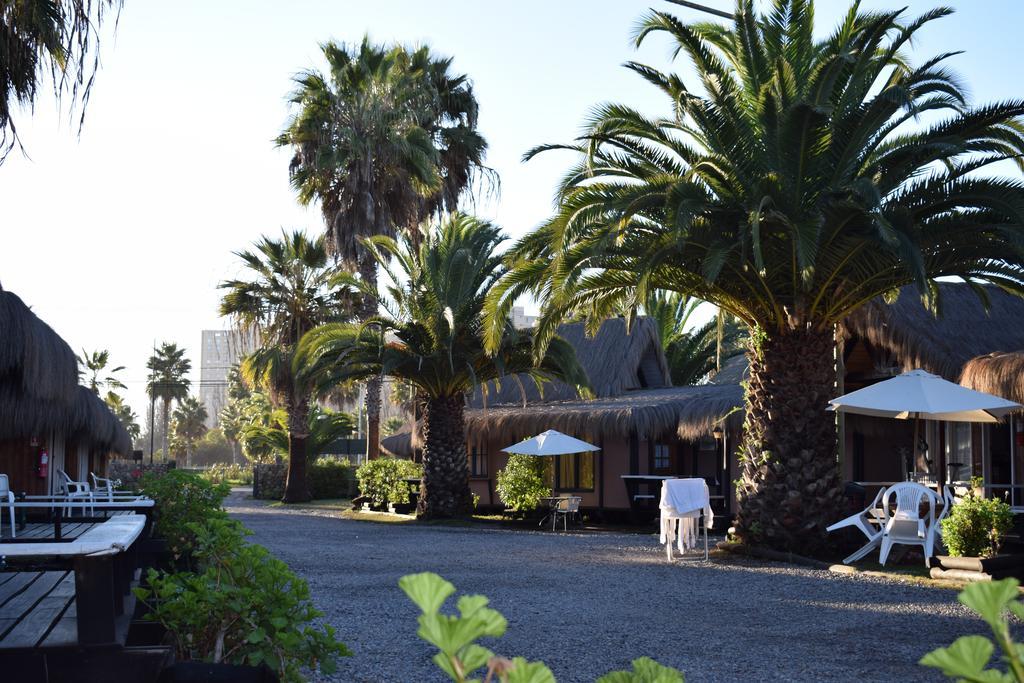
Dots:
(958, 450)
(478, 461)
(575, 472)
(662, 460)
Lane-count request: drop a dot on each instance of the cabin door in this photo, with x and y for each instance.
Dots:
(1004, 467)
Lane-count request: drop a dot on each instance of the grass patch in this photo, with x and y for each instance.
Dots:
(338, 504)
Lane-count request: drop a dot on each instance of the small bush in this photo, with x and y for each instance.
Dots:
(381, 480)
(183, 501)
(241, 606)
(521, 484)
(975, 526)
(331, 477)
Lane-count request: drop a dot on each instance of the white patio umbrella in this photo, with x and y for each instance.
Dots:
(550, 442)
(918, 395)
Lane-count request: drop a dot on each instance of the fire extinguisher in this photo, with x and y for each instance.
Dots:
(43, 470)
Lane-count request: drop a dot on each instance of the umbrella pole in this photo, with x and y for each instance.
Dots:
(913, 448)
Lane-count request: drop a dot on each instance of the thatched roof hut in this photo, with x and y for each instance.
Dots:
(399, 445)
(39, 389)
(914, 337)
(615, 360)
(34, 360)
(691, 412)
(1001, 374)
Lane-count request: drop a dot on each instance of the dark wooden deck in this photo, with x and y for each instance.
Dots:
(37, 609)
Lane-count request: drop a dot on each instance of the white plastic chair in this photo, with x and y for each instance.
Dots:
(7, 497)
(565, 508)
(103, 487)
(74, 490)
(905, 525)
(870, 521)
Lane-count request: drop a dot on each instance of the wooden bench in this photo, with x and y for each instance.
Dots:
(102, 561)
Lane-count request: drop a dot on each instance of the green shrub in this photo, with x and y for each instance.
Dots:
(459, 655)
(183, 501)
(380, 480)
(521, 484)
(241, 606)
(975, 526)
(968, 658)
(231, 474)
(331, 477)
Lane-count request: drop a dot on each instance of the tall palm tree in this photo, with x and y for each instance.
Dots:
(189, 424)
(287, 294)
(93, 365)
(168, 382)
(55, 40)
(432, 338)
(386, 137)
(124, 413)
(694, 352)
(800, 180)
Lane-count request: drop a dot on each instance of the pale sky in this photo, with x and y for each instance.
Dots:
(119, 238)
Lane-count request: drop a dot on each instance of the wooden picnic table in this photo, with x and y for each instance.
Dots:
(103, 559)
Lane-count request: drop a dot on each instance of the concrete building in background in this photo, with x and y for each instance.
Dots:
(520, 320)
(221, 350)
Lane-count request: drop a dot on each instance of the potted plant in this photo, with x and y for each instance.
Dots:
(972, 533)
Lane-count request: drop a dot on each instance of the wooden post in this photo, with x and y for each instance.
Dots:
(95, 599)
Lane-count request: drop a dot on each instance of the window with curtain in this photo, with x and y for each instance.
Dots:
(478, 461)
(958, 450)
(575, 472)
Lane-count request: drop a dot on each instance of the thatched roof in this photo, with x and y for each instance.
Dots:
(33, 358)
(915, 338)
(1001, 374)
(615, 361)
(734, 371)
(398, 445)
(691, 412)
(39, 389)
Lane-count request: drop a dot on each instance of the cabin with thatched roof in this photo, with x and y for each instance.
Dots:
(975, 337)
(44, 410)
(643, 425)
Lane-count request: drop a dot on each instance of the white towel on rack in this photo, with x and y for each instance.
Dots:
(682, 502)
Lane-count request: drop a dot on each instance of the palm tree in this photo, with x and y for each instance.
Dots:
(803, 179)
(94, 365)
(54, 40)
(125, 414)
(325, 427)
(189, 424)
(167, 382)
(387, 137)
(287, 295)
(433, 339)
(694, 353)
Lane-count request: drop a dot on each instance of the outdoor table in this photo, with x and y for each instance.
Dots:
(633, 482)
(104, 560)
(57, 504)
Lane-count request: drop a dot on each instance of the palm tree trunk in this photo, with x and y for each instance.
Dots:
(368, 309)
(444, 491)
(165, 420)
(789, 490)
(296, 487)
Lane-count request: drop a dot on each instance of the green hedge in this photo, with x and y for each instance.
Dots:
(329, 477)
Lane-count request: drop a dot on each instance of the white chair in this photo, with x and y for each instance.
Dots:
(103, 487)
(74, 490)
(870, 521)
(905, 525)
(685, 503)
(565, 508)
(7, 497)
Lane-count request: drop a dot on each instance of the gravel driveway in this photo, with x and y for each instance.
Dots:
(590, 603)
